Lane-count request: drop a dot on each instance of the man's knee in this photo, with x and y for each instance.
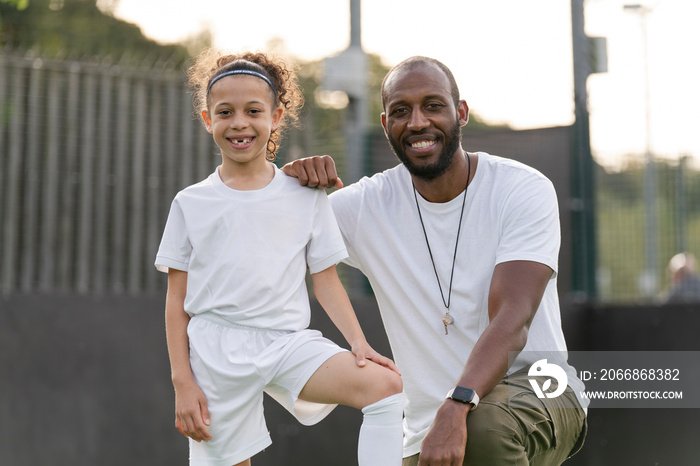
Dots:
(493, 437)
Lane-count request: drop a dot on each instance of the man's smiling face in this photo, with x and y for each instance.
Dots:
(420, 120)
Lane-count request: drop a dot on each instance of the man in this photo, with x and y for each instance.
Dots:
(685, 281)
(461, 250)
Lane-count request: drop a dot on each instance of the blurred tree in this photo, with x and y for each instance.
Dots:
(16, 4)
(19, 4)
(79, 29)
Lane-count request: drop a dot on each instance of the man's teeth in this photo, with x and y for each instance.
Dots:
(422, 144)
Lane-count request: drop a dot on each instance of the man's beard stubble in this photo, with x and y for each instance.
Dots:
(432, 171)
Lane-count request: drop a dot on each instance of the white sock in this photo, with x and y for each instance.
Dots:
(381, 433)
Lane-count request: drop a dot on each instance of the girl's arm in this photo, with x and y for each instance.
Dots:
(191, 413)
(334, 300)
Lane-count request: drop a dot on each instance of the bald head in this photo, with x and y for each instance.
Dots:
(682, 265)
(422, 63)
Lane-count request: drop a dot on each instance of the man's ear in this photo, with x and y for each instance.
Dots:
(383, 119)
(206, 120)
(463, 112)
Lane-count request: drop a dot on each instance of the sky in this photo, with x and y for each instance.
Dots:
(512, 58)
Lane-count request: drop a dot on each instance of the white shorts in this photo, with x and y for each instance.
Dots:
(234, 365)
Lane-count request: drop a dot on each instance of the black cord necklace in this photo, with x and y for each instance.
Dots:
(447, 318)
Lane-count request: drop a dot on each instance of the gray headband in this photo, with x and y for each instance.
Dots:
(248, 72)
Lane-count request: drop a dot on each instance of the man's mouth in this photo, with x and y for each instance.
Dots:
(425, 144)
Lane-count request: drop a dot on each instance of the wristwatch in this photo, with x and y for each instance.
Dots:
(464, 395)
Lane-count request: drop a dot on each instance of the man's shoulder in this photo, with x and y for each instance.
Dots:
(290, 185)
(508, 175)
(505, 166)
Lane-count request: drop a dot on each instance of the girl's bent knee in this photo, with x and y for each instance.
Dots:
(395, 384)
(390, 384)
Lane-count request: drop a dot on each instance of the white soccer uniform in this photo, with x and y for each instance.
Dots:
(246, 254)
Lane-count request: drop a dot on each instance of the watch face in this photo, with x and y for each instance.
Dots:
(465, 395)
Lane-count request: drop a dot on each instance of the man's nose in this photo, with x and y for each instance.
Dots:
(418, 120)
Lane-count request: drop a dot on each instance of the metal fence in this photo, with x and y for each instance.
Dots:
(637, 238)
(91, 156)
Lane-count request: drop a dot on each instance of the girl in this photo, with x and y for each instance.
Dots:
(236, 247)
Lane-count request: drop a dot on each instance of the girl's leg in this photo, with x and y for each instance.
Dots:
(375, 390)
(341, 381)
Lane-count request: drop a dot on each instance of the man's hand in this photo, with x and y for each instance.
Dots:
(314, 172)
(446, 440)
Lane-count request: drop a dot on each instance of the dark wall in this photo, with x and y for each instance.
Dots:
(85, 381)
(654, 437)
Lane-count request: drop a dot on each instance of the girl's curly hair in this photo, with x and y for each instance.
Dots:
(211, 63)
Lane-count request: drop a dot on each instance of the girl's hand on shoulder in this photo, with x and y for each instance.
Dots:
(363, 352)
(191, 412)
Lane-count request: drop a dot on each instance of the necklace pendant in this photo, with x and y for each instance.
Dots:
(447, 320)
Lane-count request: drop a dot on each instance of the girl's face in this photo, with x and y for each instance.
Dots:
(241, 117)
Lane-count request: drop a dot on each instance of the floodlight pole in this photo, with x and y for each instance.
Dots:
(356, 23)
(582, 202)
(355, 132)
(649, 278)
(348, 72)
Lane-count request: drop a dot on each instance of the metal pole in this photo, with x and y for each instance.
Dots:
(355, 130)
(650, 279)
(355, 23)
(356, 124)
(680, 202)
(582, 181)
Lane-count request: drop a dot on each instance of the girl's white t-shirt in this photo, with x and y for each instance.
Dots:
(511, 213)
(246, 252)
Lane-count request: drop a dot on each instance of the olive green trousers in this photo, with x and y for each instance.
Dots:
(512, 426)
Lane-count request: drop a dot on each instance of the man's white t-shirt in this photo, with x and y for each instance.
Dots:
(511, 213)
(246, 252)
